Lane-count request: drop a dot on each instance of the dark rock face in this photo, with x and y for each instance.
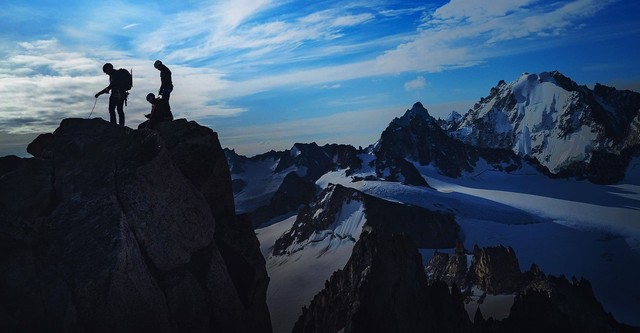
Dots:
(112, 229)
(383, 289)
(294, 191)
(427, 228)
(495, 269)
(346, 157)
(450, 269)
(197, 152)
(561, 306)
(417, 136)
(393, 167)
(602, 168)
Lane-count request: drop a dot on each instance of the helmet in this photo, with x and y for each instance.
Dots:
(150, 97)
(157, 63)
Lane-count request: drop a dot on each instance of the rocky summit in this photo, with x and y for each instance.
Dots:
(109, 229)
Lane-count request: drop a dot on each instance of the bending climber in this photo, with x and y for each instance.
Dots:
(166, 85)
(120, 81)
(160, 111)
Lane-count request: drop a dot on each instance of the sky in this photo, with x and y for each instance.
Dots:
(266, 74)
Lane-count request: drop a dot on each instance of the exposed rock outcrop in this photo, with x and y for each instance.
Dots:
(495, 269)
(450, 269)
(294, 191)
(429, 229)
(559, 306)
(383, 289)
(113, 229)
(542, 303)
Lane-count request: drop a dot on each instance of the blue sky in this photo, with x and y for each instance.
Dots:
(266, 74)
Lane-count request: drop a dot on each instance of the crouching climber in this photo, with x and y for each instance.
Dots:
(160, 111)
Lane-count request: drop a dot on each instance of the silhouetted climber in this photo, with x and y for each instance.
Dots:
(120, 82)
(166, 85)
(160, 111)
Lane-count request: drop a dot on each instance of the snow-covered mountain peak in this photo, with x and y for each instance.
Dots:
(454, 117)
(451, 121)
(549, 117)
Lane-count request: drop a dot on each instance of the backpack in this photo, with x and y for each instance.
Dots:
(127, 79)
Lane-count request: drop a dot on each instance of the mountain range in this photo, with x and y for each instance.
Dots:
(541, 164)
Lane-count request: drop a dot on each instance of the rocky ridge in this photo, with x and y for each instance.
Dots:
(542, 302)
(384, 288)
(301, 167)
(113, 229)
(323, 218)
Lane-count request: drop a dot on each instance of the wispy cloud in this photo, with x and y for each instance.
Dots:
(456, 35)
(129, 26)
(205, 35)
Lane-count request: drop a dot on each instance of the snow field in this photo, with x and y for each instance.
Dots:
(296, 278)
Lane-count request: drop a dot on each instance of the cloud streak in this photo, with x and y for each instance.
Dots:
(456, 35)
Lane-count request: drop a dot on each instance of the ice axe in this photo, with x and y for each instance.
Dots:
(93, 108)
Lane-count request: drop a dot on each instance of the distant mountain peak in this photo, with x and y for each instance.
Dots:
(417, 111)
(547, 116)
(454, 116)
(553, 77)
(418, 106)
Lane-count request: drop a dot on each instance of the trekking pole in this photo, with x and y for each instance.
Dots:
(93, 108)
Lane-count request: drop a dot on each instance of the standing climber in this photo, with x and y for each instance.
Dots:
(120, 82)
(166, 85)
